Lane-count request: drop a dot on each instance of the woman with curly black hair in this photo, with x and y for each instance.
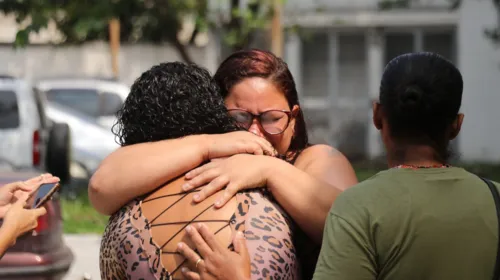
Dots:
(171, 101)
(260, 94)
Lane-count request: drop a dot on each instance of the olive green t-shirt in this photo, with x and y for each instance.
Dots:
(435, 223)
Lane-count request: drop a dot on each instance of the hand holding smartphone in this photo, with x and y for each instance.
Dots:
(42, 194)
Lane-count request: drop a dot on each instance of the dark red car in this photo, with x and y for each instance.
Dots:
(42, 255)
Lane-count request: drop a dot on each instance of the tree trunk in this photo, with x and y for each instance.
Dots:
(114, 43)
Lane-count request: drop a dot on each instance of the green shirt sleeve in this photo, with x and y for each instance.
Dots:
(345, 252)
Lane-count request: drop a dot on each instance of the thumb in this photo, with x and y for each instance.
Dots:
(40, 211)
(240, 244)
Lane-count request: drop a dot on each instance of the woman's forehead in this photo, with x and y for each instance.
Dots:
(257, 93)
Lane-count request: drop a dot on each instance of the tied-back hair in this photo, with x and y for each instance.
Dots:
(421, 95)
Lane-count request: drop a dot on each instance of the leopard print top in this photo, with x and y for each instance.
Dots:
(128, 250)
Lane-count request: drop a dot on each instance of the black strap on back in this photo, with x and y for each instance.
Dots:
(496, 198)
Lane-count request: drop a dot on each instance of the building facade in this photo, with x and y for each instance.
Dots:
(339, 56)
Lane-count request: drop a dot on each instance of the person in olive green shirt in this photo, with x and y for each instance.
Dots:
(437, 223)
(421, 219)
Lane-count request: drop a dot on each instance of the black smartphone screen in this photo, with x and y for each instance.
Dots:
(40, 194)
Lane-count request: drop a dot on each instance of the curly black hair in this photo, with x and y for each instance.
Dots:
(172, 100)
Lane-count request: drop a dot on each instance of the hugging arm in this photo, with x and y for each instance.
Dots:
(138, 169)
(306, 190)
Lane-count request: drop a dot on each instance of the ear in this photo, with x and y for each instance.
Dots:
(456, 126)
(377, 115)
(295, 113)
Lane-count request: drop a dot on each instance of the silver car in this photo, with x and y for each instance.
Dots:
(27, 138)
(97, 98)
(90, 142)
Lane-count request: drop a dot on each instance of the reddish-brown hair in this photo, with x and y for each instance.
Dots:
(258, 63)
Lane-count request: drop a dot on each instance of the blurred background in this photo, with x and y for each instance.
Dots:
(66, 67)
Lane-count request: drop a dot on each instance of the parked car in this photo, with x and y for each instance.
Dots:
(90, 142)
(27, 138)
(43, 253)
(97, 98)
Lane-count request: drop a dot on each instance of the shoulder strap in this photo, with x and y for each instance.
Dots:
(496, 198)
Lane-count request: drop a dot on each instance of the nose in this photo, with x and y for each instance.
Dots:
(256, 129)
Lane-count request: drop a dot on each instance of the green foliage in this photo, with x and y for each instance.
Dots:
(140, 20)
(85, 20)
(80, 217)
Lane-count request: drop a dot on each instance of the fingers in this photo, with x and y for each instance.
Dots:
(35, 182)
(240, 245)
(265, 146)
(209, 237)
(254, 148)
(22, 199)
(190, 255)
(230, 191)
(216, 185)
(43, 179)
(190, 275)
(197, 171)
(39, 211)
(23, 186)
(201, 179)
(50, 180)
(268, 149)
(198, 241)
(37, 178)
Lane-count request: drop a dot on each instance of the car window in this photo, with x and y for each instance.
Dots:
(82, 100)
(110, 104)
(9, 111)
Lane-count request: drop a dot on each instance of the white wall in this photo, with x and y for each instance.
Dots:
(479, 61)
(93, 59)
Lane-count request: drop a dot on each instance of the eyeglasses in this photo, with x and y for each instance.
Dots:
(273, 121)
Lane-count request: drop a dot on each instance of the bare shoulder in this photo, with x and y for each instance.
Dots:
(328, 163)
(320, 152)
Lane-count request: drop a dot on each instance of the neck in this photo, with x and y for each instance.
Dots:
(413, 155)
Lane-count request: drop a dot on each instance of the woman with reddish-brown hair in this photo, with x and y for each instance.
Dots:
(260, 94)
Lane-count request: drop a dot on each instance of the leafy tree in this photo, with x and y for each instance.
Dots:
(140, 20)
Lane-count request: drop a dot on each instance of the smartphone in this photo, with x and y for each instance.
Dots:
(43, 194)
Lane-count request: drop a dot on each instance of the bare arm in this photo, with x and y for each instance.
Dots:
(7, 238)
(306, 191)
(138, 169)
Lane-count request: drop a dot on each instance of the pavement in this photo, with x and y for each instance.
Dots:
(85, 248)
